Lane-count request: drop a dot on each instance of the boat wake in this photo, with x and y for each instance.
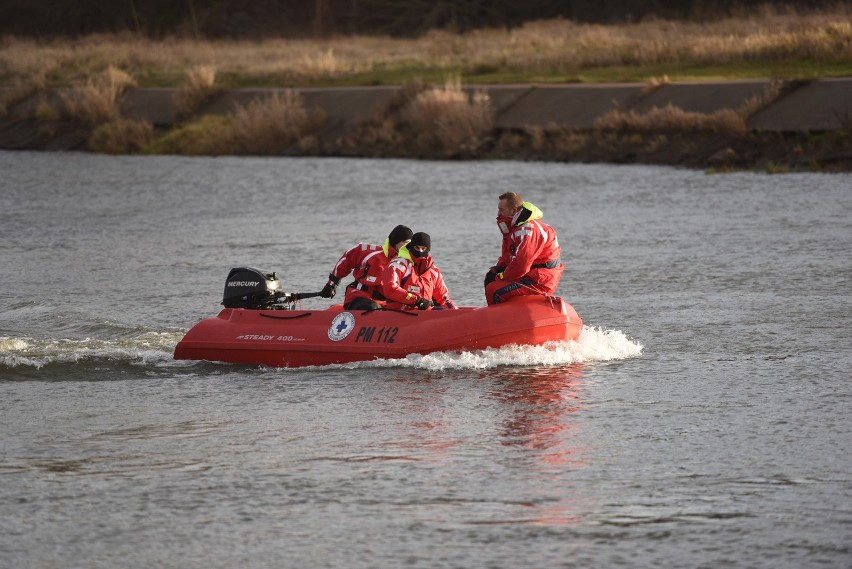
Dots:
(148, 348)
(593, 345)
(155, 349)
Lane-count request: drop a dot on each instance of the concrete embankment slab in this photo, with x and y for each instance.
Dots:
(823, 105)
(704, 98)
(154, 105)
(343, 107)
(572, 106)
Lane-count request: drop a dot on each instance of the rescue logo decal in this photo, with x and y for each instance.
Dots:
(341, 326)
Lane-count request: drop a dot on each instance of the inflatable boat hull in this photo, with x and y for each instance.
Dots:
(294, 338)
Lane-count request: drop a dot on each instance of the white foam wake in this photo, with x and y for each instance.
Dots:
(146, 348)
(593, 345)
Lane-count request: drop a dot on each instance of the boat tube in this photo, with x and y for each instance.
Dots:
(260, 326)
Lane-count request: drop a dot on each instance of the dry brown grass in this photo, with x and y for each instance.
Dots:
(97, 101)
(198, 89)
(448, 120)
(672, 119)
(277, 125)
(550, 47)
(655, 83)
(427, 121)
(272, 126)
(754, 104)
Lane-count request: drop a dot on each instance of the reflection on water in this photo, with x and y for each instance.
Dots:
(543, 401)
(543, 419)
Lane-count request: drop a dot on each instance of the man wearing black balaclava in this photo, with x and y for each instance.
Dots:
(412, 281)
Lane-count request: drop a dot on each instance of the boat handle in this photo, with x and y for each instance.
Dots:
(302, 315)
(406, 312)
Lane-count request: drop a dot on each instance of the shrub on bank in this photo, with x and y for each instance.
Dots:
(201, 137)
(121, 136)
(97, 100)
(198, 90)
(449, 121)
(273, 126)
(672, 119)
(425, 121)
(277, 125)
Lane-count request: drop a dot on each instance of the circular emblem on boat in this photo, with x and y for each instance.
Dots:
(341, 326)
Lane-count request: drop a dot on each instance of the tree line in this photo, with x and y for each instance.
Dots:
(317, 18)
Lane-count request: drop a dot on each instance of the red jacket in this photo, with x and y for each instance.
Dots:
(527, 248)
(405, 279)
(367, 264)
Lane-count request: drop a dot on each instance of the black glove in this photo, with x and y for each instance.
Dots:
(329, 290)
(492, 273)
(423, 304)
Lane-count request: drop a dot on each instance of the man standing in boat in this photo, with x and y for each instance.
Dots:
(529, 261)
(412, 281)
(366, 263)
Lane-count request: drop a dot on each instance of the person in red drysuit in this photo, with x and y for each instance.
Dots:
(412, 281)
(367, 264)
(529, 262)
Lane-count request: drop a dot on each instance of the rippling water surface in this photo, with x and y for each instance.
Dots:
(700, 421)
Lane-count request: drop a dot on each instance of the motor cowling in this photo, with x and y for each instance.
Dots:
(247, 287)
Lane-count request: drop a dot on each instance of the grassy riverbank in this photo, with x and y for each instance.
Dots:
(768, 43)
(431, 117)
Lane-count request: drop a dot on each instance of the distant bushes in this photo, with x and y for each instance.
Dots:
(97, 101)
(95, 105)
(425, 121)
(198, 89)
(732, 122)
(277, 125)
(121, 136)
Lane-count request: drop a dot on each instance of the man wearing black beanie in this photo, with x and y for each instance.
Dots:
(412, 281)
(420, 244)
(366, 263)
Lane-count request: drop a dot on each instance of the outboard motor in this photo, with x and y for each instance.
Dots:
(247, 287)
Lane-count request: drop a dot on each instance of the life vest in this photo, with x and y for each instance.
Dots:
(367, 263)
(405, 279)
(530, 249)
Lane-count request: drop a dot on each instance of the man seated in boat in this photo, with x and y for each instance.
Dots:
(411, 281)
(367, 264)
(529, 262)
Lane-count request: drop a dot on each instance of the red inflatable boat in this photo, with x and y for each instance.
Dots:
(283, 337)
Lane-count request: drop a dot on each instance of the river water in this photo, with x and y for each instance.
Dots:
(702, 419)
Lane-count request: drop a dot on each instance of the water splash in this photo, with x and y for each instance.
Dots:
(148, 348)
(593, 345)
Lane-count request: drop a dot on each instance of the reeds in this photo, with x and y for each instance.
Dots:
(97, 101)
(425, 121)
(448, 120)
(730, 122)
(672, 119)
(278, 125)
(273, 126)
(552, 48)
(198, 89)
